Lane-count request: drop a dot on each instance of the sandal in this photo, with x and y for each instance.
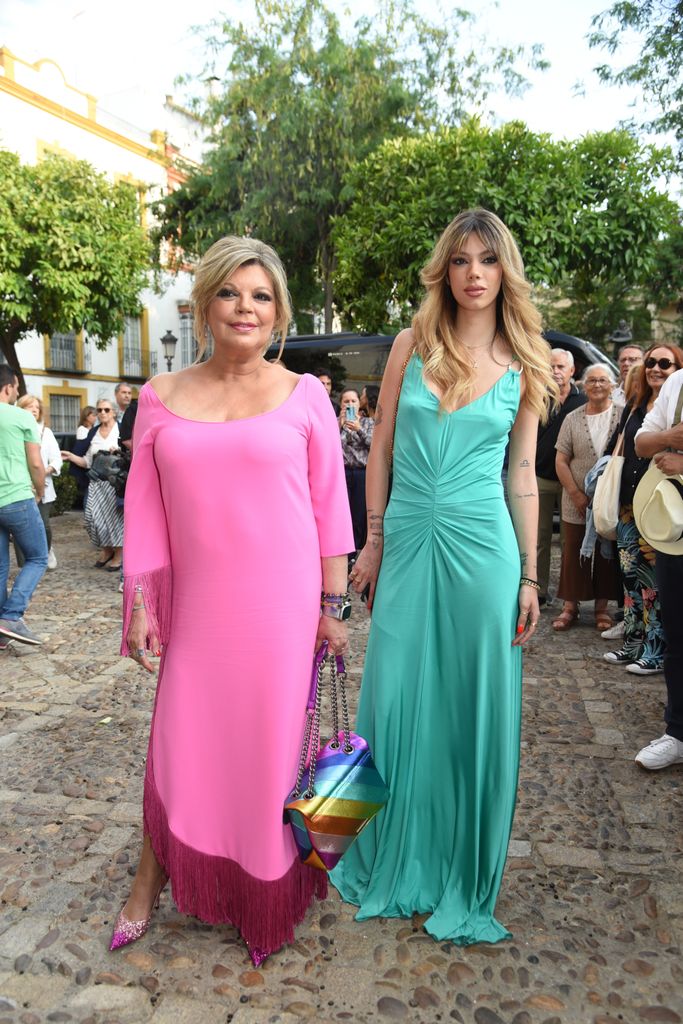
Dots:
(565, 620)
(603, 621)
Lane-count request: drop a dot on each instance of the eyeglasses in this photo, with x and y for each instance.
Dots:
(595, 381)
(104, 408)
(663, 364)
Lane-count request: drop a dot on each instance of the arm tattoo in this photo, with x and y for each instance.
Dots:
(524, 464)
(376, 523)
(378, 415)
(531, 494)
(523, 558)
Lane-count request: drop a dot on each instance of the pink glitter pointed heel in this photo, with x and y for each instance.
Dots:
(257, 955)
(126, 931)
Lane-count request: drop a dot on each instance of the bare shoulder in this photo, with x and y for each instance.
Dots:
(404, 342)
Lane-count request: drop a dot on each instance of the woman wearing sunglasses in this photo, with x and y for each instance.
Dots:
(103, 515)
(642, 651)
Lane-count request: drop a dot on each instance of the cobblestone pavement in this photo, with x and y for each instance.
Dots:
(592, 889)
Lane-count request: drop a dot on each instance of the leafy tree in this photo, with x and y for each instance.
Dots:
(300, 103)
(585, 213)
(72, 251)
(658, 71)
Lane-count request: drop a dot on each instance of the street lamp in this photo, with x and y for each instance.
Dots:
(169, 342)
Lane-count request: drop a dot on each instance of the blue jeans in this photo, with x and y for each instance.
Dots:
(22, 520)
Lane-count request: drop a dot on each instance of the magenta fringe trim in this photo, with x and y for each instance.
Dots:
(219, 891)
(157, 587)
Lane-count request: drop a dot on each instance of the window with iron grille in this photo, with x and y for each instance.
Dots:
(153, 364)
(65, 412)
(63, 351)
(132, 348)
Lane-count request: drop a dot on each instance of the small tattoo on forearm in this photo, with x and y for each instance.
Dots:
(378, 415)
(531, 494)
(524, 463)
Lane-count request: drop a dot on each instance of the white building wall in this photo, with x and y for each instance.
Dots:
(40, 112)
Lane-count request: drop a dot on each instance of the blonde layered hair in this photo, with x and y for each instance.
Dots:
(518, 321)
(219, 262)
(27, 400)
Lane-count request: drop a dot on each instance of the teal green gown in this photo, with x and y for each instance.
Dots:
(440, 698)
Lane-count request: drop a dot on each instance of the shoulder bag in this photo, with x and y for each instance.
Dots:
(606, 497)
(338, 789)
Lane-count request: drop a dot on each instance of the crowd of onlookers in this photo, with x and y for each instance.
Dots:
(594, 416)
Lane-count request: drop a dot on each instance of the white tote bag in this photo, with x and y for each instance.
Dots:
(606, 497)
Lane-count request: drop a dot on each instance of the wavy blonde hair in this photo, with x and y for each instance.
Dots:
(518, 321)
(221, 260)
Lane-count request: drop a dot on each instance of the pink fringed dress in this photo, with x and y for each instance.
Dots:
(225, 525)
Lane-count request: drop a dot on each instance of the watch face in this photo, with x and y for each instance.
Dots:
(345, 612)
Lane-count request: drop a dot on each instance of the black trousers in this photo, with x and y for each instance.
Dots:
(355, 486)
(669, 572)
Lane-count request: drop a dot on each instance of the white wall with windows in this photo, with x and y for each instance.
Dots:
(40, 112)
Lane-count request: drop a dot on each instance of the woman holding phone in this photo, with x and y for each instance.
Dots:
(356, 435)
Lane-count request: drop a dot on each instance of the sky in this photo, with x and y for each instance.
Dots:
(128, 53)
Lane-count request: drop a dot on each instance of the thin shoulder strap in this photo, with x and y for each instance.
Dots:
(679, 408)
(398, 395)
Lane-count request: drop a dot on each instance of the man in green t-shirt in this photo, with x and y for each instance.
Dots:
(22, 481)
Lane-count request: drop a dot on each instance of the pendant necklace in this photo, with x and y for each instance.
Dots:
(487, 344)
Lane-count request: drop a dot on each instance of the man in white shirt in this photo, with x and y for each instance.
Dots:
(661, 438)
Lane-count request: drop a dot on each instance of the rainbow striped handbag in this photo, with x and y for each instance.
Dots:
(338, 789)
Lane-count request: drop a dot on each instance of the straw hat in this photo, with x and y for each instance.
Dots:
(658, 510)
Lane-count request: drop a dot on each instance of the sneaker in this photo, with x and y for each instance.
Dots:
(51, 559)
(661, 753)
(16, 629)
(618, 657)
(645, 668)
(614, 632)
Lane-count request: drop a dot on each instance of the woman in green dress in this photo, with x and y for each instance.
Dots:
(452, 587)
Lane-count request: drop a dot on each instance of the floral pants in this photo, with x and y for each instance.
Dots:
(643, 632)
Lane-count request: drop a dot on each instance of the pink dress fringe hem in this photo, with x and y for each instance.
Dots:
(219, 891)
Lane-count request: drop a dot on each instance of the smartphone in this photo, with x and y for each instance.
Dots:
(350, 412)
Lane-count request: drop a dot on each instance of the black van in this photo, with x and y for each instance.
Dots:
(354, 360)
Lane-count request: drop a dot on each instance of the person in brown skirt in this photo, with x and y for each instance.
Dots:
(582, 440)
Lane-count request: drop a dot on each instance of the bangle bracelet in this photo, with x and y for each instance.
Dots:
(526, 582)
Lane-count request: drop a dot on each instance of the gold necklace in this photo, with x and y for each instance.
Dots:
(474, 348)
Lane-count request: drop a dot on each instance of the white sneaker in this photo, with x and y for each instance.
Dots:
(614, 632)
(645, 668)
(661, 753)
(51, 559)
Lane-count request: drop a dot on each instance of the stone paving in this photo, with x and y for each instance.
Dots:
(592, 890)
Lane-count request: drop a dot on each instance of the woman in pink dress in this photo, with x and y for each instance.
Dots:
(236, 519)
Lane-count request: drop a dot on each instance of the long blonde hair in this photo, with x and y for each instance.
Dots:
(221, 260)
(518, 321)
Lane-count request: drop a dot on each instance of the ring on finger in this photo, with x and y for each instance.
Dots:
(140, 652)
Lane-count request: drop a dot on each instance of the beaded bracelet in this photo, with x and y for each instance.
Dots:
(332, 598)
(526, 582)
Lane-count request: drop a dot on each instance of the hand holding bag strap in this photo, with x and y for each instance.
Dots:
(398, 396)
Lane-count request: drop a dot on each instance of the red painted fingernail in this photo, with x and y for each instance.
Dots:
(520, 629)
(158, 654)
